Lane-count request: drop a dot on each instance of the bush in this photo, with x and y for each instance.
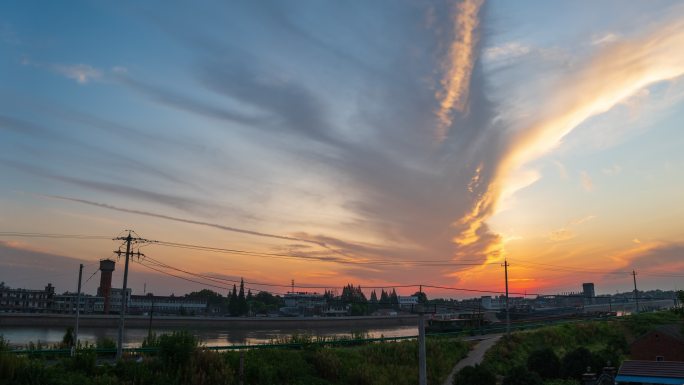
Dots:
(328, 364)
(176, 349)
(544, 362)
(521, 376)
(576, 362)
(474, 375)
(210, 368)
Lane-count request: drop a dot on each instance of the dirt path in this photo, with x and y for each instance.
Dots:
(474, 357)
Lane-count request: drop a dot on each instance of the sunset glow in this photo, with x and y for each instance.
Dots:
(374, 143)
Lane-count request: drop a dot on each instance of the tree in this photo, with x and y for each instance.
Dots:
(242, 306)
(233, 306)
(474, 375)
(373, 297)
(544, 362)
(394, 299)
(384, 298)
(576, 362)
(422, 297)
(519, 375)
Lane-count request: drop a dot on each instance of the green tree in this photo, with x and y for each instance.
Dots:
(422, 297)
(373, 297)
(242, 300)
(394, 299)
(233, 305)
(576, 362)
(544, 362)
(521, 376)
(384, 298)
(474, 375)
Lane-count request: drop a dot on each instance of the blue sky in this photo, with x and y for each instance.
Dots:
(361, 138)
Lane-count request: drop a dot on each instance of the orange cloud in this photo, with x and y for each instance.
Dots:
(616, 73)
(459, 65)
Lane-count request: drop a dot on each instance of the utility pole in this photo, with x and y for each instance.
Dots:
(129, 240)
(149, 326)
(78, 310)
(422, 359)
(636, 292)
(293, 286)
(508, 312)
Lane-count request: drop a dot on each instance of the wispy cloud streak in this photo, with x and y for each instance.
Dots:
(459, 65)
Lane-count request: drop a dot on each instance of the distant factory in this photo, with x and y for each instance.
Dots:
(108, 300)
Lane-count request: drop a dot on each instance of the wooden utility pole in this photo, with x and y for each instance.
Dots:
(636, 292)
(74, 344)
(129, 240)
(508, 312)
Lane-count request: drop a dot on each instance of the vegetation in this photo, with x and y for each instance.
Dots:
(474, 375)
(561, 354)
(181, 360)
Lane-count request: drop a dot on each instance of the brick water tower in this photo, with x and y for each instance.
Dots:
(105, 289)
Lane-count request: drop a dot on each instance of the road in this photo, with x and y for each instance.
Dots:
(475, 356)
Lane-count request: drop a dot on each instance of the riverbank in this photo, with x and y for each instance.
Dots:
(169, 322)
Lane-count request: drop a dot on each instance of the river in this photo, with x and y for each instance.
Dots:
(20, 336)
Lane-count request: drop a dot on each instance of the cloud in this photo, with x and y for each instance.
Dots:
(82, 73)
(506, 51)
(459, 64)
(587, 182)
(605, 38)
(566, 233)
(186, 103)
(181, 203)
(189, 221)
(615, 73)
(614, 169)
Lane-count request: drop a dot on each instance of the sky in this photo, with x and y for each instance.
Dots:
(383, 143)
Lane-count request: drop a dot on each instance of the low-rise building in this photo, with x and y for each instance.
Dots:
(170, 305)
(665, 343)
(303, 303)
(66, 303)
(26, 300)
(407, 302)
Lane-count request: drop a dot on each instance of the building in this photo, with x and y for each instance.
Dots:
(665, 343)
(651, 372)
(493, 303)
(588, 292)
(66, 303)
(26, 300)
(407, 302)
(169, 305)
(302, 303)
(104, 290)
(115, 300)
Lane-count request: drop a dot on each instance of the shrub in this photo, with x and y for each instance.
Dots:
(576, 362)
(544, 362)
(521, 376)
(474, 375)
(176, 349)
(328, 364)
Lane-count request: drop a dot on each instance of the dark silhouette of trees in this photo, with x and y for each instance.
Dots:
(474, 375)
(544, 362)
(521, 376)
(233, 306)
(576, 362)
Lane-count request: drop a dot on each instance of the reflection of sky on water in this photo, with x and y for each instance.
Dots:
(19, 336)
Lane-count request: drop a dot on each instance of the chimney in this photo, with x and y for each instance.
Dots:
(105, 289)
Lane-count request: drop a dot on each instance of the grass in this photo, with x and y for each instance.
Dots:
(181, 360)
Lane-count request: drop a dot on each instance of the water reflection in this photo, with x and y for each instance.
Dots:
(20, 336)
